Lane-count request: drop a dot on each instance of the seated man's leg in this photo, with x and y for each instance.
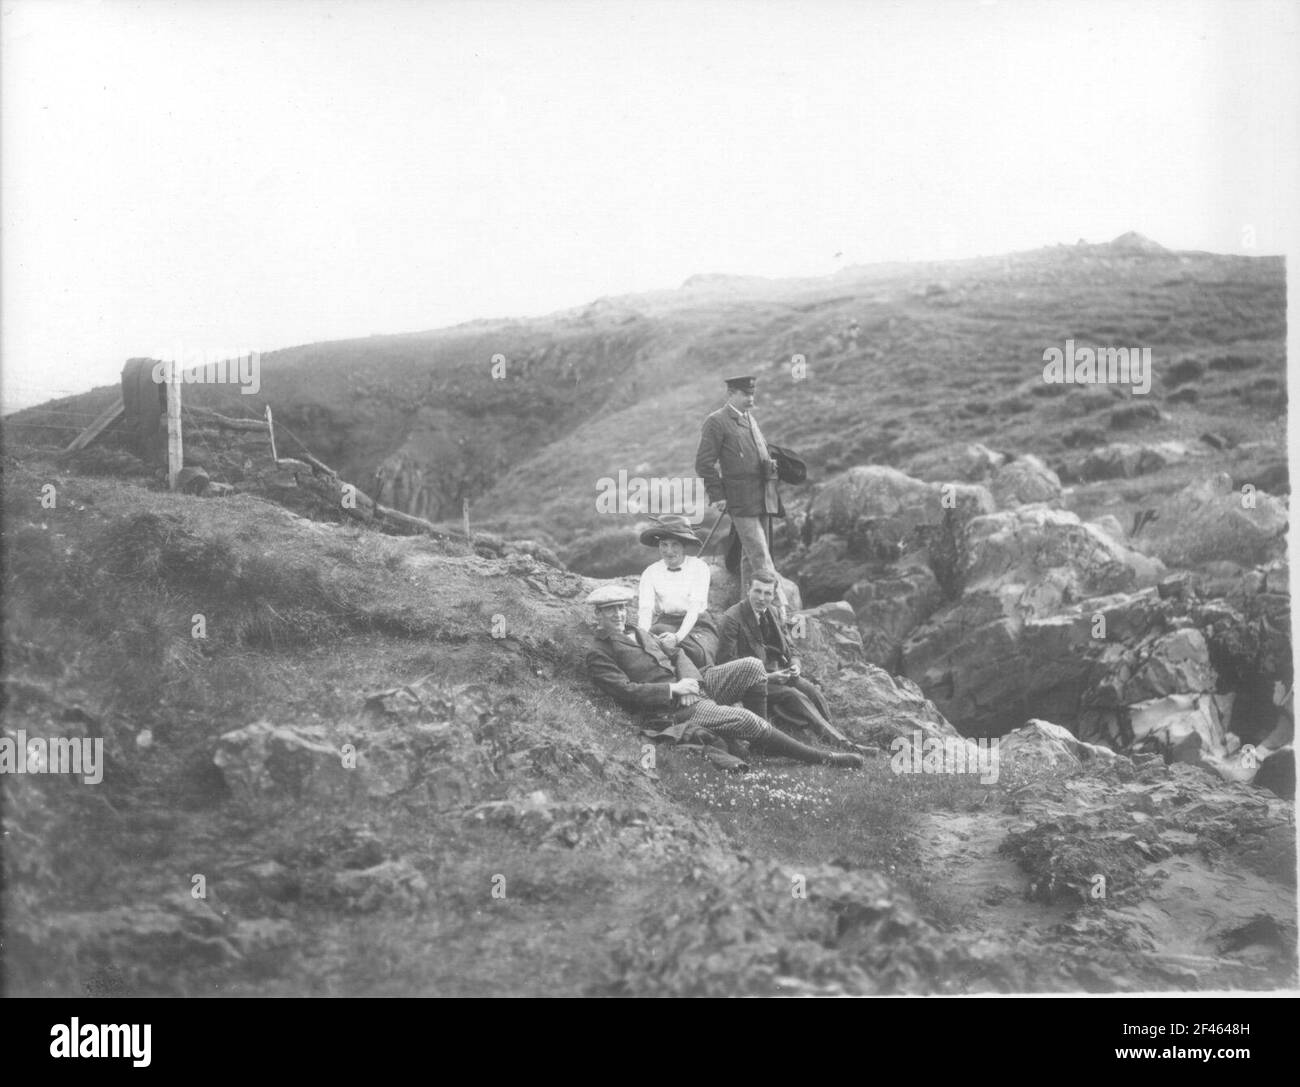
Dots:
(743, 680)
(813, 693)
(734, 722)
(788, 709)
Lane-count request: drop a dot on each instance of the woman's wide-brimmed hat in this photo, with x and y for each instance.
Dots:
(669, 527)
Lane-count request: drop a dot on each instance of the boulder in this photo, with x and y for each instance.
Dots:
(966, 462)
(877, 492)
(874, 707)
(1209, 520)
(1039, 558)
(1040, 745)
(1181, 727)
(1124, 460)
(1024, 481)
(1110, 525)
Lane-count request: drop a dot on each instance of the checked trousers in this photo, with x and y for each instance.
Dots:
(723, 684)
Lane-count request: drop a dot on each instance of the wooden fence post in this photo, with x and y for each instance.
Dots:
(175, 451)
(270, 429)
(465, 509)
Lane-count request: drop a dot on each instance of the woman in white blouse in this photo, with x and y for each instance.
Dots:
(674, 598)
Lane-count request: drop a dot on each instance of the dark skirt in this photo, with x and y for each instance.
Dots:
(701, 645)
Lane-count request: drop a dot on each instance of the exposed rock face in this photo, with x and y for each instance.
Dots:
(1024, 481)
(826, 638)
(889, 544)
(874, 707)
(1177, 662)
(1014, 645)
(1210, 520)
(1039, 559)
(399, 484)
(890, 606)
(438, 746)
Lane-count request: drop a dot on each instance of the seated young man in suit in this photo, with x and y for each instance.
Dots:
(633, 667)
(751, 629)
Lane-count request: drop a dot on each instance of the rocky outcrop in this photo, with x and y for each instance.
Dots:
(875, 492)
(1040, 745)
(1209, 520)
(1124, 460)
(1024, 481)
(874, 707)
(827, 638)
(1014, 645)
(888, 607)
(423, 742)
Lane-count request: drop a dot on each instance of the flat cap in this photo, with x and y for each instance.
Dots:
(610, 594)
(745, 382)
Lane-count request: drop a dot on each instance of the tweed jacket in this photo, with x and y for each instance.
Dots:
(637, 674)
(727, 461)
(739, 635)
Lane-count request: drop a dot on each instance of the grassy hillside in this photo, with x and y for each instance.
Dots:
(203, 864)
(899, 359)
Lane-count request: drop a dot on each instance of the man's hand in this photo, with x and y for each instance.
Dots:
(668, 641)
(689, 699)
(720, 505)
(685, 687)
(795, 669)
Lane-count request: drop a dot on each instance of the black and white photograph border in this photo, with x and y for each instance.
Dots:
(647, 499)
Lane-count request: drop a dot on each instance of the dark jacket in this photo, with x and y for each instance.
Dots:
(637, 676)
(727, 461)
(739, 636)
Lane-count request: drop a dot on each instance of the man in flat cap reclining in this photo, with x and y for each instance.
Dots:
(633, 667)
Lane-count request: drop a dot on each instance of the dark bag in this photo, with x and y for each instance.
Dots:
(790, 467)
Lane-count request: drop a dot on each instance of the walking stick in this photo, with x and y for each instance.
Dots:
(705, 545)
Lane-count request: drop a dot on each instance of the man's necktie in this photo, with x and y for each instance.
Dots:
(759, 441)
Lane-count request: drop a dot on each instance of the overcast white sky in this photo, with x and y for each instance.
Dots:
(240, 175)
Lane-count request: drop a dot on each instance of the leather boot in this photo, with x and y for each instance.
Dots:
(775, 742)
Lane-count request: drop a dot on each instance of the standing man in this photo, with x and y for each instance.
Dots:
(740, 477)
